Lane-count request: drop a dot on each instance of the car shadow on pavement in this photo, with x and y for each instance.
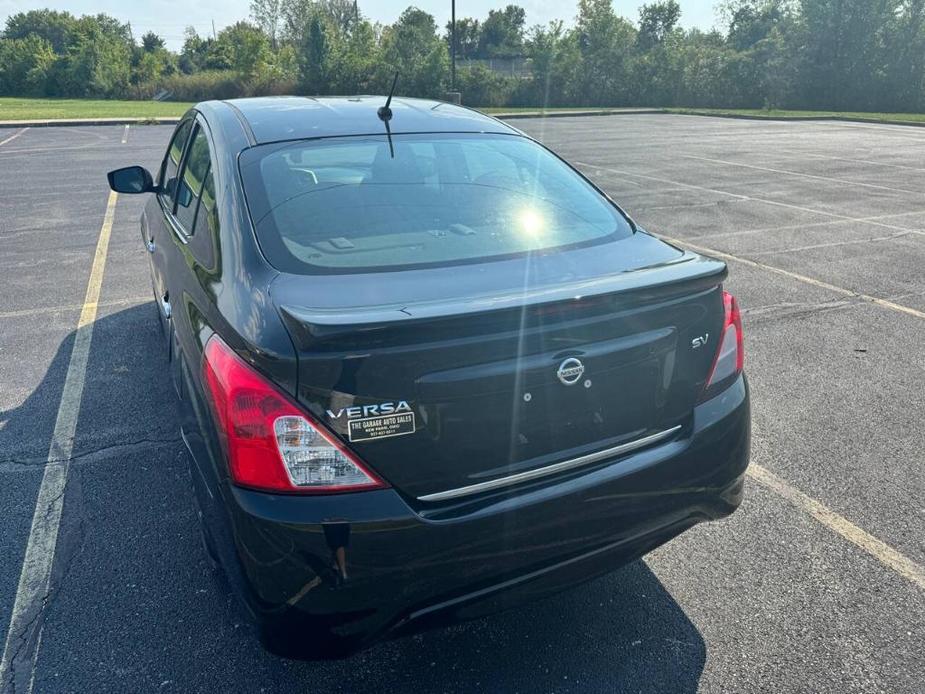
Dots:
(137, 608)
(620, 633)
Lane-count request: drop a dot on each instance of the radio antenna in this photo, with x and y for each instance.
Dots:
(384, 112)
(385, 115)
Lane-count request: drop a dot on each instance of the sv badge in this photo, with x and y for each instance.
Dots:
(701, 341)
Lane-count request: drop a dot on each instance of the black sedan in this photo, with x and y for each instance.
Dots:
(427, 369)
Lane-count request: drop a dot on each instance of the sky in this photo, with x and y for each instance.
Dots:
(169, 18)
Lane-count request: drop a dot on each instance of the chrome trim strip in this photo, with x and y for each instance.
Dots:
(550, 469)
(172, 222)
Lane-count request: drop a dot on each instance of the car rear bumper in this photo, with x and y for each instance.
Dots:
(352, 568)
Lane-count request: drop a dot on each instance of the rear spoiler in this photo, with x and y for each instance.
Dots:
(688, 273)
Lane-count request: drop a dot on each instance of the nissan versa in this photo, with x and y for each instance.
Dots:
(427, 369)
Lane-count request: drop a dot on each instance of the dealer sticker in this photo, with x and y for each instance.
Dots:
(382, 427)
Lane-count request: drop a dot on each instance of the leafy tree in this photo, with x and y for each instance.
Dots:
(152, 66)
(843, 51)
(411, 47)
(98, 59)
(825, 54)
(151, 62)
(354, 59)
(55, 27)
(25, 64)
(901, 86)
(268, 15)
(485, 87)
(315, 56)
(468, 31)
(343, 14)
(605, 43)
(544, 48)
(151, 42)
(502, 33)
(296, 15)
(657, 21)
(244, 48)
(195, 52)
(751, 21)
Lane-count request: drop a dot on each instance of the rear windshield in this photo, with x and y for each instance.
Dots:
(353, 204)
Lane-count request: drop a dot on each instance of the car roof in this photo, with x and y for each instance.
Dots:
(271, 119)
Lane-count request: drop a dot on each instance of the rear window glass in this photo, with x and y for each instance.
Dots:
(351, 205)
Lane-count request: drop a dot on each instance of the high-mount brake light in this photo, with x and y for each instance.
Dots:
(730, 356)
(271, 443)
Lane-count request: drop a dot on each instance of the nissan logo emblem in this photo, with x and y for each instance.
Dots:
(570, 371)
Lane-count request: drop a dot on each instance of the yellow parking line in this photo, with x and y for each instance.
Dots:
(878, 549)
(34, 579)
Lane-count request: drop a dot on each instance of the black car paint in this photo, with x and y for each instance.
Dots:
(467, 372)
(412, 563)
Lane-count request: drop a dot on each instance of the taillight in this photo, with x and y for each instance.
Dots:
(730, 357)
(271, 443)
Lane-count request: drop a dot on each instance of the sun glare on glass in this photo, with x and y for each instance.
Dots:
(531, 222)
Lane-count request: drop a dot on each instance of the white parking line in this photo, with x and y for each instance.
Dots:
(868, 162)
(763, 201)
(800, 278)
(13, 137)
(131, 301)
(125, 135)
(25, 626)
(811, 225)
(832, 244)
(798, 174)
(878, 549)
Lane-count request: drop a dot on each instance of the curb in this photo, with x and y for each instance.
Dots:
(514, 115)
(172, 120)
(63, 122)
(797, 119)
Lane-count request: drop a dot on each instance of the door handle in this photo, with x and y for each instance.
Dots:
(165, 307)
(150, 245)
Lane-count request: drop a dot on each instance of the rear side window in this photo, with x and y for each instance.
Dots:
(350, 205)
(171, 164)
(190, 184)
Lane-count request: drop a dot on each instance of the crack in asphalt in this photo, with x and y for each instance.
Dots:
(68, 551)
(86, 457)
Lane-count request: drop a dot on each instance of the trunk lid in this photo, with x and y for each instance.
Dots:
(506, 366)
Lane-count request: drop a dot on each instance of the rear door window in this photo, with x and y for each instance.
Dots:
(171, 166)
(189, 187)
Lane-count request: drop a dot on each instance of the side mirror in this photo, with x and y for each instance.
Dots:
(132, 180)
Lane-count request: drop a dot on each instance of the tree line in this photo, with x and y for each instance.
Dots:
(806, 54)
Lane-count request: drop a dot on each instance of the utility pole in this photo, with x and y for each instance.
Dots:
(453, 45)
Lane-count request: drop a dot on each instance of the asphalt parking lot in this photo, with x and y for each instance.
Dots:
(816, 584)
